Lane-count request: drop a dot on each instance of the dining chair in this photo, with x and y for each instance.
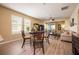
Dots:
(25, 38)
(38, 41)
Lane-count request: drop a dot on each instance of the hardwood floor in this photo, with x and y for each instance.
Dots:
(56, 47)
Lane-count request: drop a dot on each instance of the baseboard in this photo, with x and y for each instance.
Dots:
(10, 41)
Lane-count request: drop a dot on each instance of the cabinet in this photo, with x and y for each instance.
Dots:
(75, 44)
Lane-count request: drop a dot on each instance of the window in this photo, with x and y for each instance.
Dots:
(19, 23)
(46, 26)
(16, 24)
(49, 27)
(27, 25)
(53, 27)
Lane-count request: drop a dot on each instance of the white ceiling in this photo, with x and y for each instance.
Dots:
(42, 10)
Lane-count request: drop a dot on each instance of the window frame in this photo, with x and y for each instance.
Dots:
(21, 24)
(24, 25)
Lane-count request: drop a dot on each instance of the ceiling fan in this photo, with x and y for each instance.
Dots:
(51, 19)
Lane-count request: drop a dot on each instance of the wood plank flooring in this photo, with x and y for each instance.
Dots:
(56, 47)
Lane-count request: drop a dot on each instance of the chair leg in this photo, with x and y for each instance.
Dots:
(34, 47)
(23, 43)
(43, 48)
(34, 51)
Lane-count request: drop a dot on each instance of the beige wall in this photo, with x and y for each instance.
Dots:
(67, 24)
(5, 23)
(75, 15)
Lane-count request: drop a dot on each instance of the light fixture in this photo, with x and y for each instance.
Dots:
(52, 19)
(63, 26)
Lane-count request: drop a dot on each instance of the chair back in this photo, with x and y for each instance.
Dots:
(39, 36)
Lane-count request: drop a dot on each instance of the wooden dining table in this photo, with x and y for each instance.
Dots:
(33, 34)
(36, 32)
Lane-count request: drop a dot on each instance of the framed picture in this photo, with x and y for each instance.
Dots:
(59, 27)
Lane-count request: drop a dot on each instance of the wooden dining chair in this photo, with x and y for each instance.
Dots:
(38, 41)
(25, 38)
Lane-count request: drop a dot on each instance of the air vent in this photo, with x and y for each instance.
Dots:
(65, 8)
